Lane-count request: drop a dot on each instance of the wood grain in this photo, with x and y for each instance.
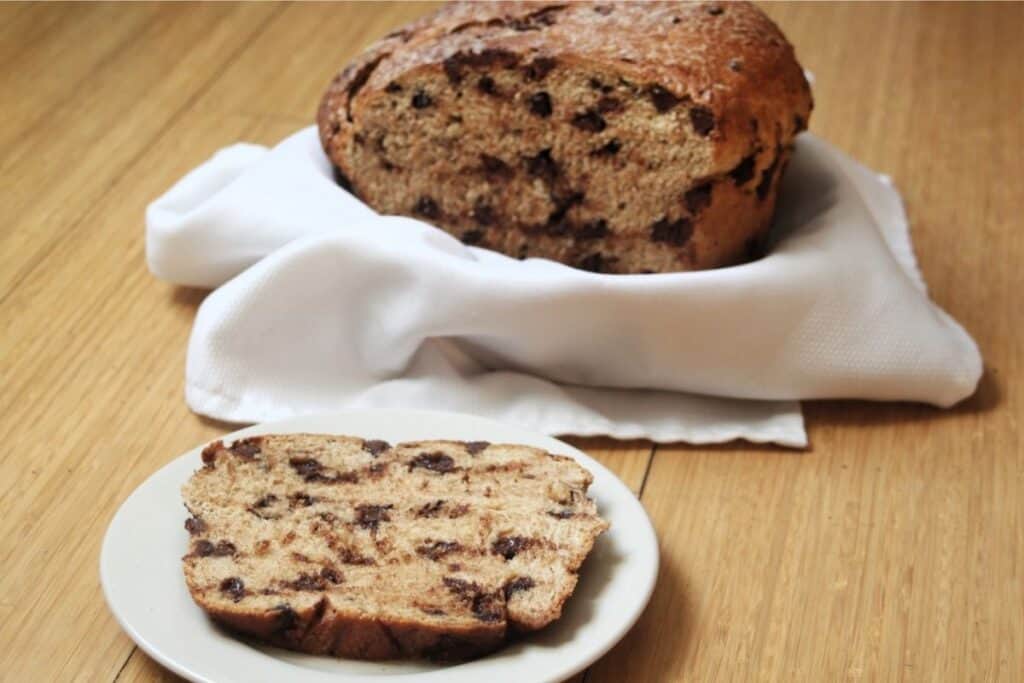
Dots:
(890, 550)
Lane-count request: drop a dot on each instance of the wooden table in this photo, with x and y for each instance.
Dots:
(892, 549)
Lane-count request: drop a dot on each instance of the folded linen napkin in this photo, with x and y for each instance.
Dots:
(322, 304)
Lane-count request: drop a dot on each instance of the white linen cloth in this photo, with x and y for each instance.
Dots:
(322, 304)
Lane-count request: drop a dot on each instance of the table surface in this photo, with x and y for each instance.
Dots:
(891, 549)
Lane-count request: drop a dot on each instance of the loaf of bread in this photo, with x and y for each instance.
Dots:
(613, 137)
(355, 548)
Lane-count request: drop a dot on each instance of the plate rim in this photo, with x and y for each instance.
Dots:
(616, 633)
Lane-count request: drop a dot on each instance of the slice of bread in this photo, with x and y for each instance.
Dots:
(355, 548)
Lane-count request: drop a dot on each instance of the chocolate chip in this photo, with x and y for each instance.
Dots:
(673, 232)
(332, 575)
(375, 446)
(564, 513)
(483, 214)
(676, 20)
(540, 104)
(308, 582)
(195, 526)
(799, 123)
(594, 263)
(435, 462)
(349, 556)
(202, 548)
(471, 237)
(516, 585)
(496, 167)
(393, 87)
(475, 447)
(590, 121)
(438, 549)
(522, 252)
(593, 230)
(744, 171)
(676, 232)
(698, 198)
(542, 165)
(307, 468)
(286, 618)
(421, 100)
(247, 449)
(487, 86)
(370, 516)
(209, 454)
(510, 546)
(430, 509)
(608, 104)
(224, 549)
(453, 70)
(713, 9)
(234, 587)
(662, 99)
(488, 607)
(265, 501)
(555, 225)
(735, 65)
(539, 68)
(610, 148)
(460, 587)
(702, 119)
(426, 207)
(300, 499)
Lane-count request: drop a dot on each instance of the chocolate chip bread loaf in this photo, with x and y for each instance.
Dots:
(614, 137)
(336, 545)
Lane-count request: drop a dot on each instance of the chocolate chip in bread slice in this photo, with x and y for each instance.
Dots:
(355, 548)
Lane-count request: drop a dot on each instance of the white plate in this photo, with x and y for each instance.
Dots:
(140, 569)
